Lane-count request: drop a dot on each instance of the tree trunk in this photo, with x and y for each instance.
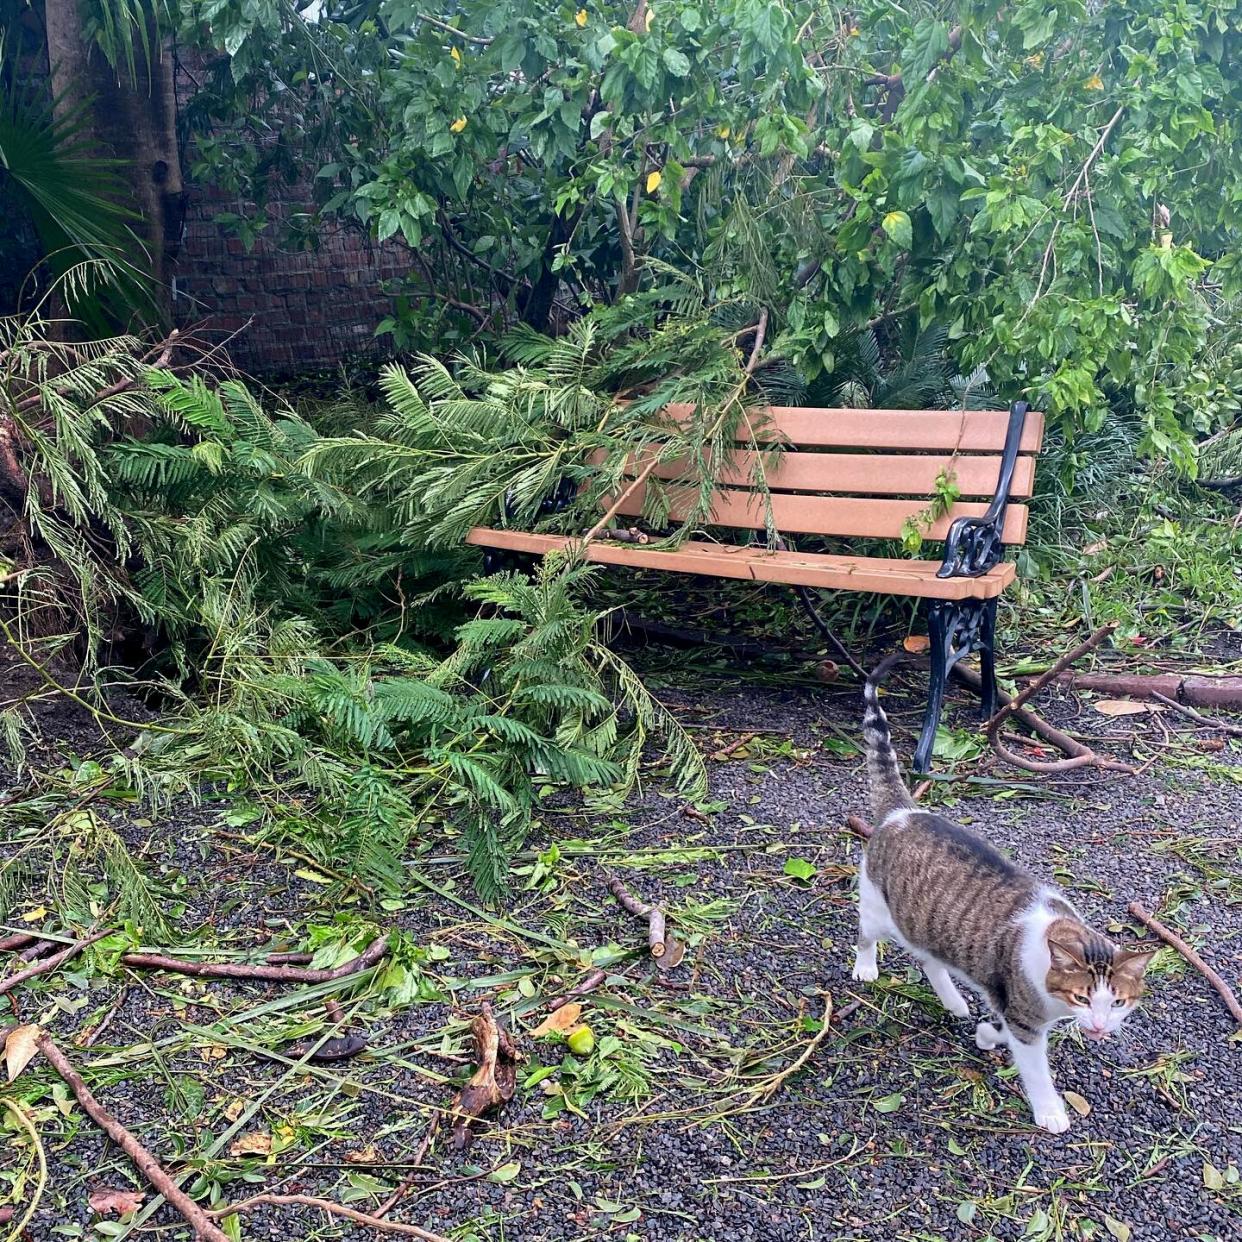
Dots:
(130, 119)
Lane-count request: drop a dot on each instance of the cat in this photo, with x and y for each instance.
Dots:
(965, 912)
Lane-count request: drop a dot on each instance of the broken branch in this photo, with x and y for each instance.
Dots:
(859, 827)
(245, 970)
(49, 963)
(333, 1209)
(1172, 938)
(660, 944)
(204, 1229)
(1079, 755)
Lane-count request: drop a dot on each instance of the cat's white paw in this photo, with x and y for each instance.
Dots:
(959, 1009)
(987, 1036)
(1054, 1118)
(865, 972)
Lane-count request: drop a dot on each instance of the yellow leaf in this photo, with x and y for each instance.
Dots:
(456, 55)
(21, 1045)
(581, 17)
(650, 17)
(1077, 1103)
(653, 181)
(215, 1052)
(234, 1108)
(722, 132)
(33, 916)
(458, 125)
(1120, 707)
(559, 1020)
(916, 643)
(254, 1144)
(367, 1155)
(1094, 83)
(304, 873)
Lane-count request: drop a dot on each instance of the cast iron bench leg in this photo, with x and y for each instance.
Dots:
(956, 629)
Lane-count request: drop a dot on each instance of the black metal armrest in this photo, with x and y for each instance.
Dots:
(975, 545)
(556, 501)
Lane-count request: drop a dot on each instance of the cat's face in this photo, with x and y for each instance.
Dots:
(1097, 982)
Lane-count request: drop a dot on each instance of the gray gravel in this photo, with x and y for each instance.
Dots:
(897, 1128)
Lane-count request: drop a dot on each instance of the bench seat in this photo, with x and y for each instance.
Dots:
(718, 560)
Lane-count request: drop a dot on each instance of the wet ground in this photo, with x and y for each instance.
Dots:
(682, 1123)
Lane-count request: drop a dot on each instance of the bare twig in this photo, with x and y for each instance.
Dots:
(767, 1087)
(657, 938)
(204, 1228)
(859, 827)
(726, 751)
(245, 970)
(50, 963)
(1081, 756)
(481, 40)
(1149, 921)
(18, 940)
(589, 984)
(1232, 729)
(333, 1209)
(405, 1187)
(1034, 687)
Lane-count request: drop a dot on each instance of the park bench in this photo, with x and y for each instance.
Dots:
(860, 474)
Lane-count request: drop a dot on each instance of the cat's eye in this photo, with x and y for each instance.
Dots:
(1119, 1002)
(1081, 998)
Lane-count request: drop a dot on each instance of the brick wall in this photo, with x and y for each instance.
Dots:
(294, 310)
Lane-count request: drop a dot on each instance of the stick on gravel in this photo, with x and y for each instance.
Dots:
(244, 970)
(657, 939)
(1172, 938)
(333, 1209)
(49, 963)
(204, 1229)
(1085, 757)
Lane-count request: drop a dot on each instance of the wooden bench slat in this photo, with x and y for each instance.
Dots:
(964, 431)
(842, 573)
(846, 516)
(864, 474)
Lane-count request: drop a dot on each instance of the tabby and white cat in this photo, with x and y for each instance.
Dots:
(963, 910)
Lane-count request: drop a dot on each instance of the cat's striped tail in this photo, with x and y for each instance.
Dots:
(888, 790)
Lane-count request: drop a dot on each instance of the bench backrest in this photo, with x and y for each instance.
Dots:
(864, 473)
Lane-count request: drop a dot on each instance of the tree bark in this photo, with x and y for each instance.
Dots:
(130, 119)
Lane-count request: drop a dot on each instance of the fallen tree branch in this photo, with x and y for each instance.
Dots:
(1232, 729)
(1037, 724)
(666, 949)
(245, 970)
(50, 963)
(146, 1164)
(1194, 690)
(1079, 756)
(333, 1209)
(1152, 923)
(1049, 674)
(18, 940)
(589, 984)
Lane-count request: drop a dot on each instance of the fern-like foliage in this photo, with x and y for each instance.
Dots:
(467, 445)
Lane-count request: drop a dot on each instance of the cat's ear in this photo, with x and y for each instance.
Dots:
(1132, 962)
(1065, 956)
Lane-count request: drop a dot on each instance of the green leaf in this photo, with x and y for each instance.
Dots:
(1118, 1228)
(1213, 1178)
(800, 869)
(897, 225)
(506, 1172)
(890, 1103)
(928, 43)
(677, 63)
(966, 1211)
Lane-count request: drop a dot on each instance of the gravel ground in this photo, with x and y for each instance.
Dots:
(896, 1126)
